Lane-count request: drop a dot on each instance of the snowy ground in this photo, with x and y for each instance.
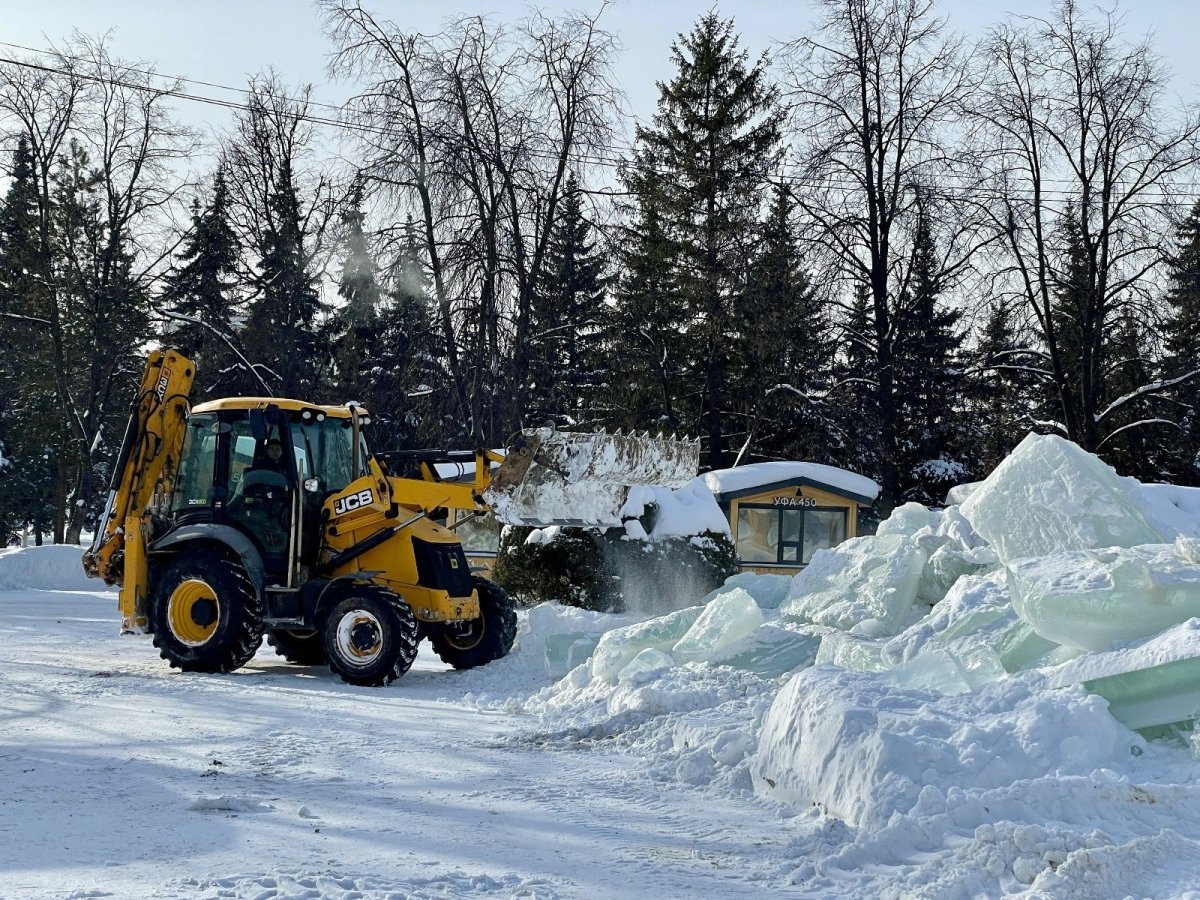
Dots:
(124, 778)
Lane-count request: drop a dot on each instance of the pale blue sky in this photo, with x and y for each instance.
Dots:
(224, 41)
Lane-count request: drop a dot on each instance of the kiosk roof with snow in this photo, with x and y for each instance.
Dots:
(780, 513)
(730, 484)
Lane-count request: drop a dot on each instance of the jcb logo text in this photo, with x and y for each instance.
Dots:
(353, 502)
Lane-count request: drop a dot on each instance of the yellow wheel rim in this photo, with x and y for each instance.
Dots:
(193, 612)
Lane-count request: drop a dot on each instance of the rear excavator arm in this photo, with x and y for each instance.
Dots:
(146, 466)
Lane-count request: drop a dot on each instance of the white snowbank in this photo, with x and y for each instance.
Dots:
(968, 751)
(741, 478)
(55, 567)
(863, 751)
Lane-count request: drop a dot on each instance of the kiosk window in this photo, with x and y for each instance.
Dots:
(758, 534)
(787, 536)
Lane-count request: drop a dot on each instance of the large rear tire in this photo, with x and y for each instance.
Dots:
(479, 641)
(304, 648)
(206, 614)
(370, 637)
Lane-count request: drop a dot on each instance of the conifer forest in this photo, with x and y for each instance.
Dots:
(877, 245)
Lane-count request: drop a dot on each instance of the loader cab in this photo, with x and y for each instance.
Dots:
(264, 467)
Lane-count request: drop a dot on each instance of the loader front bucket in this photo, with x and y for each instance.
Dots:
(553, 477)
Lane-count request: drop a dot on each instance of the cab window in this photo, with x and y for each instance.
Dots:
(324, 451)
(193, 487)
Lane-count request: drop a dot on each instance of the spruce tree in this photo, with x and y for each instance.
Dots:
(1000, 387)
(647, 333)
(1181, 461)
(283, 335)
(705, 160)
(931, 448)
(204, 289)
(408, 390)
(27, 471)
(566, 315)
(782, 349)
(355, 326)
(1133, 450)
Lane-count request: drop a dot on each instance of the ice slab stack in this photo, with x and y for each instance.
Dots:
(768, 591)
(869, 582)
(617, 648)
(1091, 598)
(1050, 496)
(1153, 682)
(726, 623)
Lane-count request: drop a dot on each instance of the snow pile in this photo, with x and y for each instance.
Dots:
(942, 709)
(957, 689)
(690, 510)
(55, 567)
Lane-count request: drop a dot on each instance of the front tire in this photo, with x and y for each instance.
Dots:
(479, 641)
(304, 648)
(370, 638)
(206, 614)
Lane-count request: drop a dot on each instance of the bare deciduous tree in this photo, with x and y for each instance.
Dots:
(284, 203)
(475, 129)
(1082, 155)
(878, 93)
(103, 145)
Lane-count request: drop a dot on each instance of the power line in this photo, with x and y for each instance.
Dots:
(616, 163)
(182, 79)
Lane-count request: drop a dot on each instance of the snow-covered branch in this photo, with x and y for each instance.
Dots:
(1138, 424)
(230, 344)
(1143, 391)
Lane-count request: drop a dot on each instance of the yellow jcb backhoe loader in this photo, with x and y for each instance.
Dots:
(253, 515)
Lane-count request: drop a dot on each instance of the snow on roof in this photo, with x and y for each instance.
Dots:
(743, 478)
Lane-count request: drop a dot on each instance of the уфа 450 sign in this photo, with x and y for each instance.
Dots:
(795, 501)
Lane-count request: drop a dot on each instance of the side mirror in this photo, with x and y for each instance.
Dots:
(312, 485)
(258, 425)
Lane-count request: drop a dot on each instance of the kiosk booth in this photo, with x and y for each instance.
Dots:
(781, 513)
